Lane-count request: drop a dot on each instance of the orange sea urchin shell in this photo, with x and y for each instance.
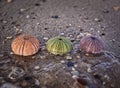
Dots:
(25, 45)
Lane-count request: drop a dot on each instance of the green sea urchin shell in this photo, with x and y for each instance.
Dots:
(59, 45)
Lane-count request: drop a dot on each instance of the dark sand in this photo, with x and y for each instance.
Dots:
(72, 19)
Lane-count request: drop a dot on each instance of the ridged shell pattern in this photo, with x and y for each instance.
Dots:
(59, 45)
(92, 44)
(25, 45)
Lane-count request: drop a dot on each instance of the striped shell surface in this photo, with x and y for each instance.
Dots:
(59, 45)
(25, 45)
(92, 44)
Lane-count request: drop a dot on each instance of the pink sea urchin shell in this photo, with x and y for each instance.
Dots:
(92, 44)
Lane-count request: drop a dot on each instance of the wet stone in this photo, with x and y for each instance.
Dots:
(22, 10)
(75, 73)
(55, 17)
(28, 16)
(37, 67)
(9, 1)
(62, 33)
(97, 20)
(9, 85)
(70, 64)
(45, 38)
(68, 57)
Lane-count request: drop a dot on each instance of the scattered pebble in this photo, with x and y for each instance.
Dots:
(43, 47)
(113, 40)
(28, 16)
(24, 83)
(22, 10)
(97, 20)
(107, 77)
(75, 73)
(38, 23)
(4, 21)
(78, 56)
(70, 64)
(37, 82)
(9, 1)
(55, 17)
(68, 57)
(112, 85)
(1, 55)
(89, 69)
(42, 56)
(74, 76)
(9, 37)
(62, 33)
(45, 38)
(73, 69)
(116, 8)
(8, 85)
(37, 67)
(62, 61)
(11, 53)
(103, 83)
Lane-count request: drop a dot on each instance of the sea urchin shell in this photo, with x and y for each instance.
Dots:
(25, 45)
(92, 44)
(59, 45)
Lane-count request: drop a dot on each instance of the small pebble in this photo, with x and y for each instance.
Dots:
(68, 57)
(22, 10)
(113, 40)
(112, 85)
(28, 16)
(62, 33)
(104, 83)
(37, 82)
(70, 64)
(76, 65)
(78, 56)
(73, 69)
(89, 70)
(38, 23)
(11, 53)
(74, 76)
(62, 61)
(4, 21)
(55, 17)
(42, 56)
(24, 83)
(116, 8)
(45, 38)
(78, 36)
(97, 20)
(107, 77)
(9, 1)
(9, 37)
(43, 47)
(75, 73)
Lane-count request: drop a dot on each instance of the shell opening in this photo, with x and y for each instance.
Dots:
(26, 38)
(60, 38)
(93, 38)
